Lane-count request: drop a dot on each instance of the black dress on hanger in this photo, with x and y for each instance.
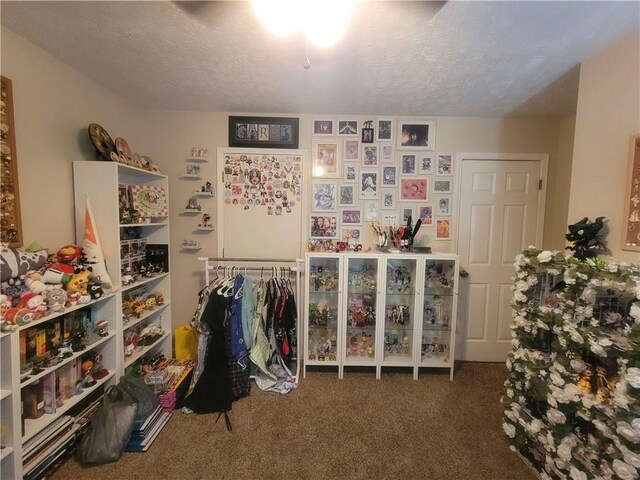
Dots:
(212, 392)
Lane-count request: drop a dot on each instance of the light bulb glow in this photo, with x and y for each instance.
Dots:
(323, 22)
(280, 17)
(318, 171)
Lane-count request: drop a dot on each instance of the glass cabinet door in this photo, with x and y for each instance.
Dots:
(438, 312)
(361, 310)
(322, 310)
(399, 310)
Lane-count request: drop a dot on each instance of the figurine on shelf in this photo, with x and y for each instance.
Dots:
(193, 169)
(101, 326)
(207, 188)
(206, 221)
(192, 204)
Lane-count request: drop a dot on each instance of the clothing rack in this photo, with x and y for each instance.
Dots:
(298, 269)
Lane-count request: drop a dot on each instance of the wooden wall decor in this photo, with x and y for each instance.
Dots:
(10, 223)
(631, 234)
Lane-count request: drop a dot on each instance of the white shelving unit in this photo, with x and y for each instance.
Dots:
(16, 431)
(100, 181)
(380, 310)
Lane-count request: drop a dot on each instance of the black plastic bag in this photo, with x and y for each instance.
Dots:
(141, 394)
(109, 430)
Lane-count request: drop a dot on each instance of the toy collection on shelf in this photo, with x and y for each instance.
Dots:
(361, 308)
(140, 204)
(193, 207)
(438, 298)
(139, 259)
(571, 402)
(323, 314)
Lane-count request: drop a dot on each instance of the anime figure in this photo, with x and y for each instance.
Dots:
(584, 240)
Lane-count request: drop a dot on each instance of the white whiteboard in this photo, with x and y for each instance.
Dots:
(260, 203)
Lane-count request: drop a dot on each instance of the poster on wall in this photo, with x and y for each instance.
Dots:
(11, 231)
(631, 234)
(260, 213)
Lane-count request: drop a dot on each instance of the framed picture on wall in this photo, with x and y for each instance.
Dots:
(416, 134)
(384, 129)
(351, 217)
(346, 195)
(351, 150)
(322, 127)
(370, 210)
(323, 226)
(631, 221)
(425, 214)
(445, 164)
(385, 150)
(444, 206)
(443, 229)
(348, 127)
(350, 173)
(406, 213)
(370, 155)
(11, 231)
(389, 199)
(324, 197)
(408, 162)
(389, 176)
(326, 158)
(442, 186)
(263, 132)
(414, 189)
(425, 164)
(368, 184)
(351, 234)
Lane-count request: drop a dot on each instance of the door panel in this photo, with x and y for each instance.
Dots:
(498, 219)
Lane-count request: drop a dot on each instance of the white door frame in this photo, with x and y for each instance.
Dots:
(543, 158)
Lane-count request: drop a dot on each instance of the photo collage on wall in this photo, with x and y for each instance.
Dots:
(382, 169)
(260, 181)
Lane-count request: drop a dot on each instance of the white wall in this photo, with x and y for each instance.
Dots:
(608, 114)
(53, 106)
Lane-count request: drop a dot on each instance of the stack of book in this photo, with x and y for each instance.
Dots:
(145, 432)
(48, 446)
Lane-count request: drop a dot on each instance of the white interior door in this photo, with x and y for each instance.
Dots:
(501, 214)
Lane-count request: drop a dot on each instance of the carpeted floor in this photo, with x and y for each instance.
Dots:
(355, 428)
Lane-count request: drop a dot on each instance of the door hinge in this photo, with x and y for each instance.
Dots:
(540, 184)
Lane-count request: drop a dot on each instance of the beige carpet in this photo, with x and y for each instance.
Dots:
(355, 428)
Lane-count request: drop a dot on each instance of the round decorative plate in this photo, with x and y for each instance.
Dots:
(123, 147)
(101, 140)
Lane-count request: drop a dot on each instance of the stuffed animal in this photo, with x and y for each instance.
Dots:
(18, 316)
(70, 254)
(94, 290)
(79, 281)
(56, 298)
(584, 239)
(5, 304)
(34, 302)
(57, 273)
(33, 280)
(14, 263)
(14, 287)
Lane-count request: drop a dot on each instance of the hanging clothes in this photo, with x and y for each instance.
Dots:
(212, 391)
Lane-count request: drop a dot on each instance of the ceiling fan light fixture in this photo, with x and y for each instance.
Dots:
(280, 17)
(323, 22)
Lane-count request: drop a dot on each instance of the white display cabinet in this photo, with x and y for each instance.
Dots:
(381, 310)
(323, 303)
(102, 183)
(435, 337)
(400, 310)
(360, 311)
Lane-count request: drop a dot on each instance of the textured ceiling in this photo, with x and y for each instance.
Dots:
(397, 58)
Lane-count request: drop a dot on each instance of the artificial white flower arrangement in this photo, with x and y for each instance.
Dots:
(572, 399)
